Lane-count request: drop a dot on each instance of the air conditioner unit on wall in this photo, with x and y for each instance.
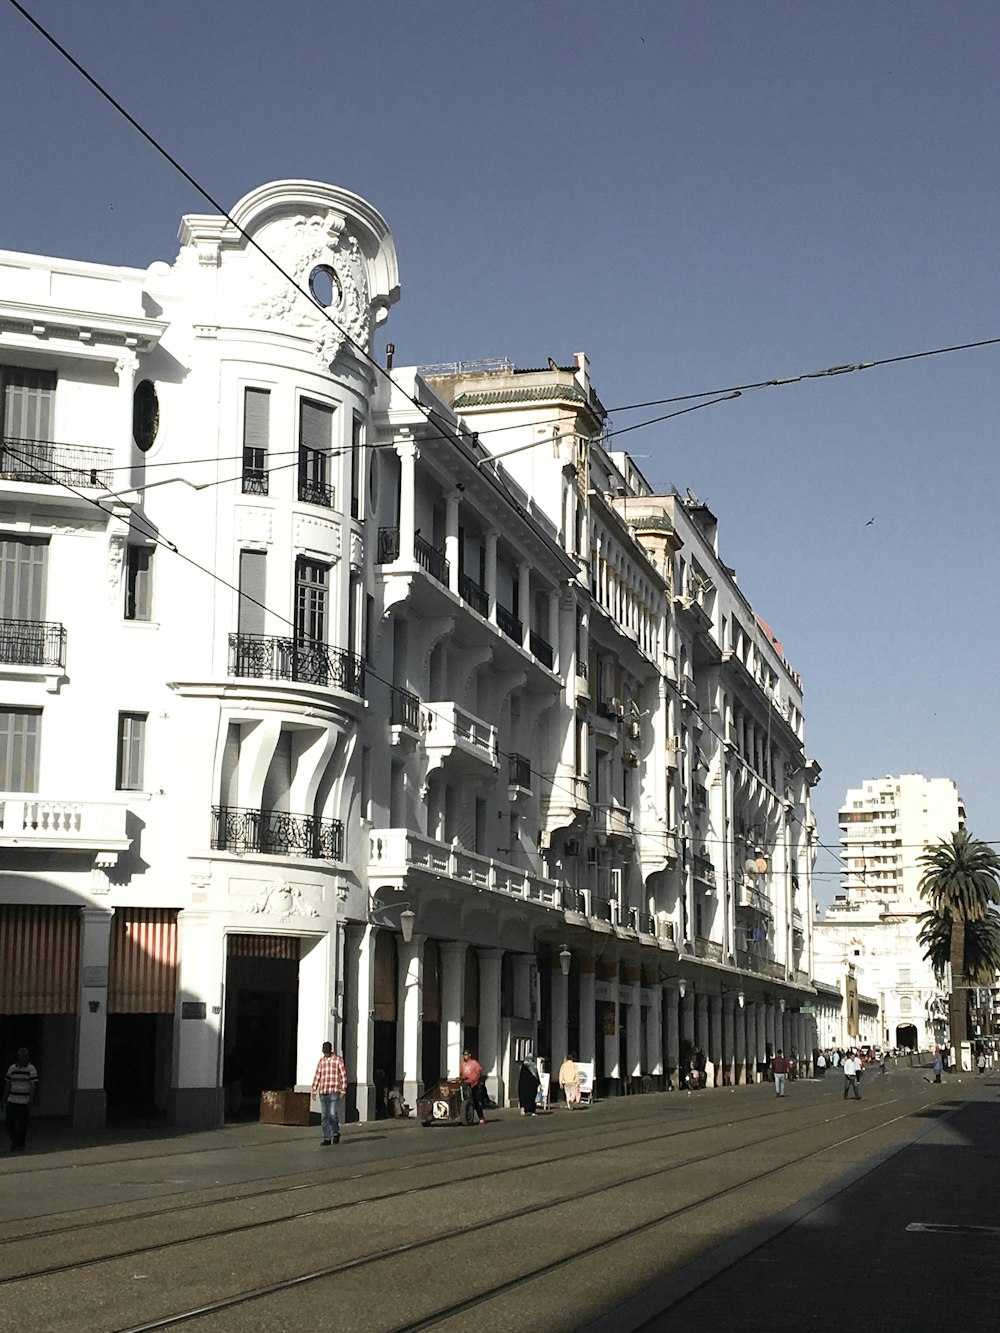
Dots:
(571, 847)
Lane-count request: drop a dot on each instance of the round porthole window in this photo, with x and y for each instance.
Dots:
(145, 415)
(324, 286)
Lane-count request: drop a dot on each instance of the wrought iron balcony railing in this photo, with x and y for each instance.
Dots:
(541, 649)
(32, 643)
(267, 657)
(404, 709)
(431, 559)
(254, 480)
(477, 597)
(316, 492)
(276, 832)
(47, 464)
(510, 624)
(519, 773)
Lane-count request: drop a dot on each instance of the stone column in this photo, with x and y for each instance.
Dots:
(554, 636)
(89, 1102)
(196, 1099)
(523, 608)
(728, 1040)
(770, 1030)
(558, 1021)
(740, 1049)
(490, 1037)
(452, 1005)
(703, 1037)
(407, 452)
(633, 1027)
(786, 1033)
(409, 1024)
(613, 1071)
(672, 1038)
(359, 1024)
(491, 572)
(451, 551)
(588, 1037)
(654, 1032)
(688, 1025)
(753, 1024)
(715, 1053)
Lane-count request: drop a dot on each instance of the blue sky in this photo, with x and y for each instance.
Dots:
(697, 195)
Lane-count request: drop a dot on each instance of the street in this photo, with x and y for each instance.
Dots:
(765, 1209)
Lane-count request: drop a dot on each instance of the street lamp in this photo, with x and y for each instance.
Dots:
(741, 998)
(565, 959)
(376, 916)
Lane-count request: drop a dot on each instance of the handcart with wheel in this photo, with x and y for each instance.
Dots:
(446, 1103)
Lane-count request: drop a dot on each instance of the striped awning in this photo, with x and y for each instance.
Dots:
(263, 946)
(39, 959)
(143, 972)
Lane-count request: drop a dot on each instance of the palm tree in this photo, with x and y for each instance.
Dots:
(982, 946)
(960, 883)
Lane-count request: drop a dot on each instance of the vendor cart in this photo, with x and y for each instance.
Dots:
(446, 1103)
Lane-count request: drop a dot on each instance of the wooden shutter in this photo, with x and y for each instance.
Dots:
(19, 732)
(27, 403)
(143, 974)
(253, 568)
(39, 960)
(22, 578)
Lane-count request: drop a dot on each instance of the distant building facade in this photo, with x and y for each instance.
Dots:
(870, 930)
(292, 656)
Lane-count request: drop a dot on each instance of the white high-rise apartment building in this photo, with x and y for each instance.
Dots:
(870, 930)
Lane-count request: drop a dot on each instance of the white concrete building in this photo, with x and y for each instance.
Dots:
(289, 648)
(871, 927)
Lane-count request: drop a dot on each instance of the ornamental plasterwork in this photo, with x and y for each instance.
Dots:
(299, 245)
(283, 900)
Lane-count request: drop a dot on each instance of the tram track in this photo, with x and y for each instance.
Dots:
(90, 1226)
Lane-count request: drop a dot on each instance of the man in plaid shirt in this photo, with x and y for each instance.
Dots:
(329, 1084)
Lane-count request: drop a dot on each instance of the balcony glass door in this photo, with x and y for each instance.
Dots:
(311, 593)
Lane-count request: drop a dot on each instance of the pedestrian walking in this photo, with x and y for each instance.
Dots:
(981, 1063)
(779, 1068)
(569, 1081)
(528, 1084)
(20, 1090)
(852, 1071)
(821, 1065)
(329, 1085)
(937, 1066)
(470, 1071)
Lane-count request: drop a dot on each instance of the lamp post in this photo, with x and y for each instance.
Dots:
(377, 916)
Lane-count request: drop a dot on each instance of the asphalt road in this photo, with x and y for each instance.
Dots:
(636, 1213)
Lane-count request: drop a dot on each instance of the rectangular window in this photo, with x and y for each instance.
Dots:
(138, 582)
(250, 613)
(20, 733)
(256, 431)
(310, 601)
(22, 577)
(131, 751)
(357, 445)
(315, 441)
(28, 399)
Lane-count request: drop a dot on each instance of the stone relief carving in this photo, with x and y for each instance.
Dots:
(116, 556)
(300, 244)
(283, 900)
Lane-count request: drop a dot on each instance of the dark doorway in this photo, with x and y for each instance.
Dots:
(262, 1015)
(130, 1065)
(906, 1035)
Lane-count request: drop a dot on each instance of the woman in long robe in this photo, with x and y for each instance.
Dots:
(528, 1084)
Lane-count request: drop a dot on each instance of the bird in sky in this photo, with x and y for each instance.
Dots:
(870, 521)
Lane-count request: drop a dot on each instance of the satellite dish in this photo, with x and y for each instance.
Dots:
(750, 865)
(761, 864)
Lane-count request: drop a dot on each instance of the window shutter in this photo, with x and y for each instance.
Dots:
(250, 615)
(256, 419)
(22, 578)
(27, 404)
(315, 426)
(19, 730)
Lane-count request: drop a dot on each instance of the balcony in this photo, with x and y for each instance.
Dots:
(710, 950)
(276, 833)
(315, 491)
(510, 624)
(751, 898)
(52, 824)
(519, 771)
(644, 923)
(255, 480)
(473, 595)
(454, 733)
(703, 870)
(39, 643)
(400, 851)
(404, 709)
(541, 649)
(267, 657)
(45, 464)
(430, 559)
(612, 821)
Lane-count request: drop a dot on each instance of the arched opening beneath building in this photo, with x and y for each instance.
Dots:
(470, 1040)
(906, 1037)
(385, 1036)
(261, 1019)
